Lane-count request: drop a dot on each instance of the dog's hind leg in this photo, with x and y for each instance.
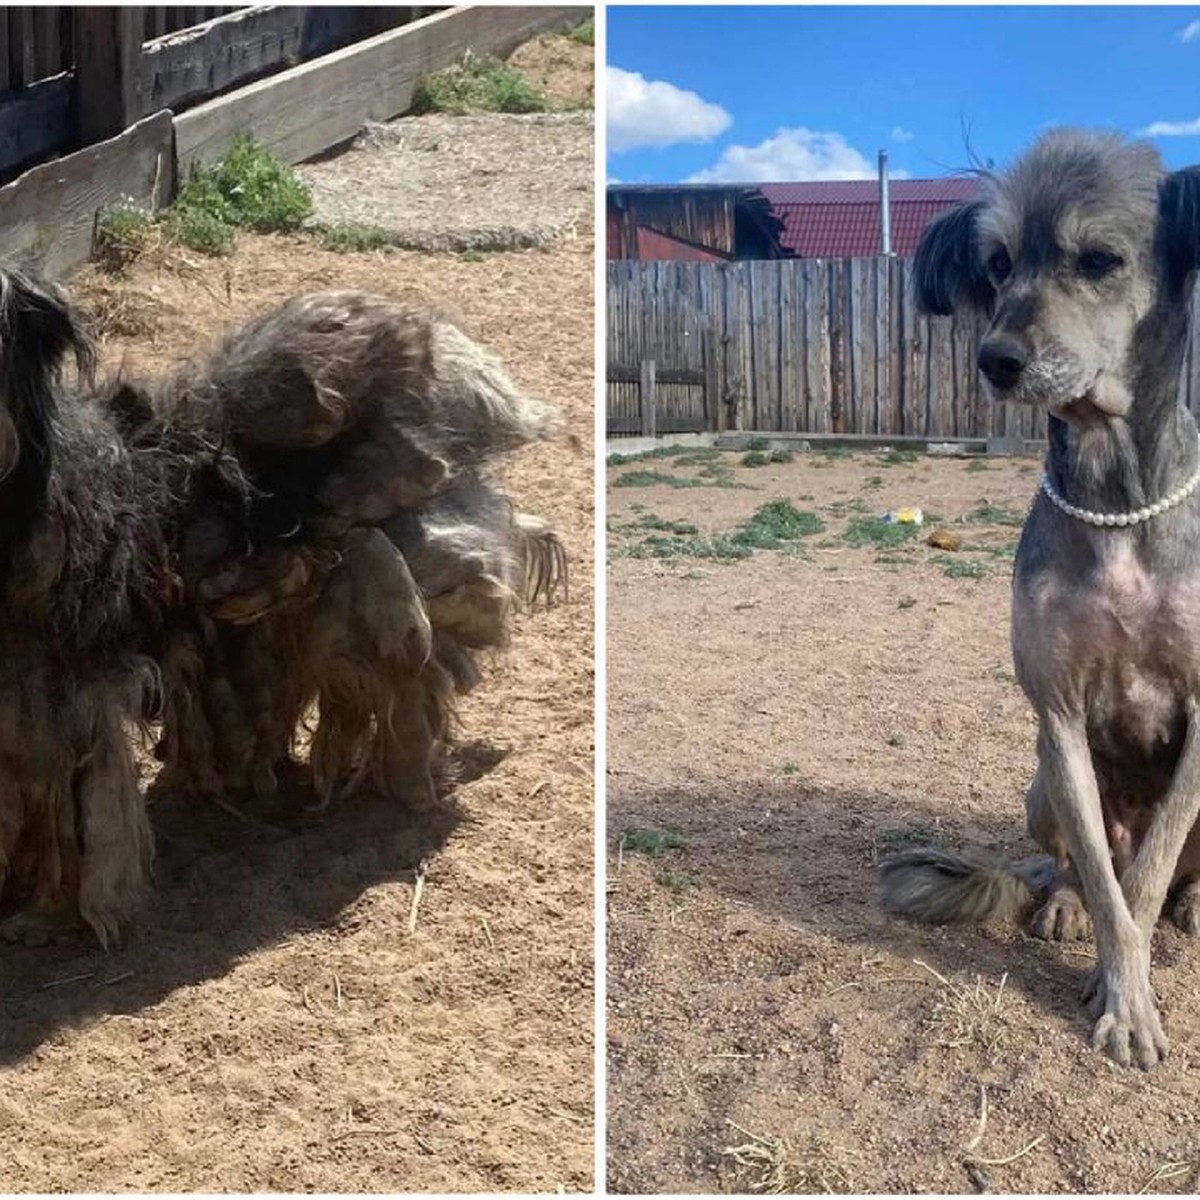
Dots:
(1064, 916)
(1119, 992)
(114, 828)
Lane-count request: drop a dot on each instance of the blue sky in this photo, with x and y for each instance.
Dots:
(759, 93)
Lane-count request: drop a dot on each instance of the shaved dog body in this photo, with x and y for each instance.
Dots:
(1080, 260)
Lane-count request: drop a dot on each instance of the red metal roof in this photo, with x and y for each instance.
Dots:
(840, 219)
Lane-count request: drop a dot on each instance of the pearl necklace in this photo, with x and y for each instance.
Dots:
(1122, 519)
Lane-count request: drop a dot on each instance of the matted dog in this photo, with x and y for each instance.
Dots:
(299, 517)
(1082, 256)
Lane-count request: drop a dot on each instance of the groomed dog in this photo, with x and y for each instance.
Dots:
(298, 521)
(1081, 257)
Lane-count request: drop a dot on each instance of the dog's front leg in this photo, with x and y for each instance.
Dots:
(1149, 876)
(1128, 1028)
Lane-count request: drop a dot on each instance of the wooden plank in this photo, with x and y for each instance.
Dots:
(838, 352)
(623, 373)
(4, 65)
(108, 42)
(791, 346)
(883, 345)
(302, 111)
(896, 357)
(45, 42)
(199, 62)
(648, 399)
(21, 71)
(825, 345)
(36, 122)
(47, 217)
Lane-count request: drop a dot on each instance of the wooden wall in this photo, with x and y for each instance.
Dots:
(812, 346)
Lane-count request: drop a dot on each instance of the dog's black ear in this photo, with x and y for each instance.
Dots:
(38, 327)
(946, 270)
(1177, 236)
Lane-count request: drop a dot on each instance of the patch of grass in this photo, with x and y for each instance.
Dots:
(987, 513)
(698, 457)
(350, 238)
(764, 458)
(906, 602)
(632, 479)
(1004, 675)
(833, 452)
(668, 547)
(874, 531)
(249, 189)
(477, 84)
(782, 1168)
(962, 568)
(976, 465)
(791, 768)
(873, 482)
(895, 739)
(584, 33)
(661, 525)
(758, 444)
(899, 458)
(123, 231)
(200, 230)
(775, 523)
(653, 843)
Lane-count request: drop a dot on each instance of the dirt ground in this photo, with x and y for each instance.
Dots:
(270, 1024)
(491, 181)
(775, 724)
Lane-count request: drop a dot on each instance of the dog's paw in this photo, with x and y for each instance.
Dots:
(39, 927)
(1129, 1029)
(1185, 909)
(1063, 918)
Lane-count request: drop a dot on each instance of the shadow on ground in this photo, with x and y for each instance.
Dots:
(224, 888)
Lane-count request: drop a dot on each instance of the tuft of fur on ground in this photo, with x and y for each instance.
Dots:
(276, 1021)
(791, 717)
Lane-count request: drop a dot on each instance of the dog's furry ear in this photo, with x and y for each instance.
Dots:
(39, 327)
(1177, 236)
(946, 270)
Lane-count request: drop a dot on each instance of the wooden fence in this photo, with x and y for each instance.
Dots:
(131, 118)
(806, 345)
(70, 77)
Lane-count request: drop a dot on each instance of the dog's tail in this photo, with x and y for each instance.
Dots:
(940, 888)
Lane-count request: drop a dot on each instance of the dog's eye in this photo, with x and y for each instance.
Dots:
(1095, 264)
(999, 265)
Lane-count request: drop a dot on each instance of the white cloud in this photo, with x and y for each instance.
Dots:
(900, 134)
(1190, 32)
(650, 112)
(792, 154)
(1171, 129)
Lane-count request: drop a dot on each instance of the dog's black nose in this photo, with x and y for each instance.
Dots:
(1002, 360)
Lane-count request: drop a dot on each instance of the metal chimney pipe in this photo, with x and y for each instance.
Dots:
(885, 212)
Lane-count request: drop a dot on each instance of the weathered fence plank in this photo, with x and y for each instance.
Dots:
(809, 346)
(47, 217)
(307, 109)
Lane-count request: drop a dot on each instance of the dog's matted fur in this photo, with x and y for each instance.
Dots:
(296, 522)
(1081, 257)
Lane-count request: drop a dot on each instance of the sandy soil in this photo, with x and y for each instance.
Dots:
(792, 718)
(270, 1024)
(486, 182)
(562, 67)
